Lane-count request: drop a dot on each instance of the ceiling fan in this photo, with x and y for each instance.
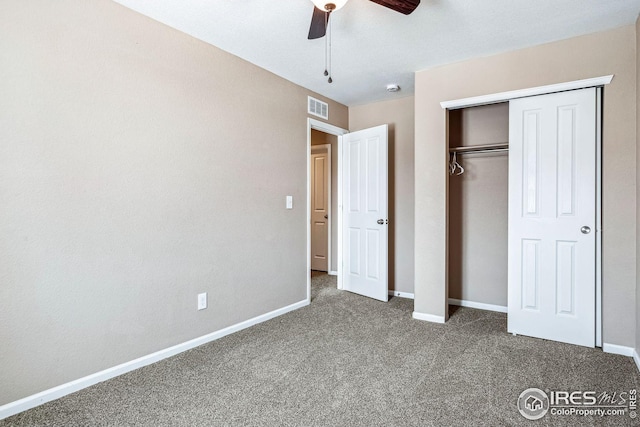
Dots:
(323, 8)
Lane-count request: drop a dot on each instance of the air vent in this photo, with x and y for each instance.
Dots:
(318, 108)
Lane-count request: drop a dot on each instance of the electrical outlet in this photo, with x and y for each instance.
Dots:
(202, 301)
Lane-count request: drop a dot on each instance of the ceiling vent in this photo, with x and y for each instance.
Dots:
(318, 108)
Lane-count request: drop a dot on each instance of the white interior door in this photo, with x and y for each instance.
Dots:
(552, 216)
(365, 212)
(320, 185)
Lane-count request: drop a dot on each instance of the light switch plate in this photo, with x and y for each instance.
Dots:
(202, 301)
(289, 202)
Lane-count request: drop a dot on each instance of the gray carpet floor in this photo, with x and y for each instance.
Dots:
(347, 360)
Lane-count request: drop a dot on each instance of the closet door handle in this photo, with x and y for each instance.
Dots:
(380, 221)
(585, 229)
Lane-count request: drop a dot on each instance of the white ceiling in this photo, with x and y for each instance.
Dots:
(374, 46)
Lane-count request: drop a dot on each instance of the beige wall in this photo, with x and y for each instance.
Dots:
(319, 138)
(478, 207)
(137, 169)
(399, 115)
(637, 183)
(610, 52)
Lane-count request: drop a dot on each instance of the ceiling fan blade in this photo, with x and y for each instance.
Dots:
(402, 6)
(319, 21)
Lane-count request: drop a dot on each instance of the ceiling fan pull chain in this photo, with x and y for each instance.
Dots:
(330, 80)
(326, 23)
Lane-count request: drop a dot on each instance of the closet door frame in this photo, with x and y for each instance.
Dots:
(598, 83)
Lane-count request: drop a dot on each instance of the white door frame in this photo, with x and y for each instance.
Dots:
(598, 82)
(599, 216)
(337, 131)
(327, 149)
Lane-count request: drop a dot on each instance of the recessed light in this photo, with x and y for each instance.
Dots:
(393, 88)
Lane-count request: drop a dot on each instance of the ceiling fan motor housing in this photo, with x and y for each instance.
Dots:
(329, 6)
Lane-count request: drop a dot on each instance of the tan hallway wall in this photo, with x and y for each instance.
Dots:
(138, 167)
(609, 52)
(399, 115)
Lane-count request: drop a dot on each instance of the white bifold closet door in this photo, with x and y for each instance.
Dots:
(552, 216)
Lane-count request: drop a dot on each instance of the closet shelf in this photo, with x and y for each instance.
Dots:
(480, 148)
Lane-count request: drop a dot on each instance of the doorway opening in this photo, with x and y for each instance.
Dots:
(361, 177)
(478, 207)
(323, 138)
(322, 176)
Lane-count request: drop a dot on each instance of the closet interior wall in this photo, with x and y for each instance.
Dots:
(478, 207)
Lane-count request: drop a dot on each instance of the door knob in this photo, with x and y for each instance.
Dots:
(381, 221)
(585, 229)
(326, 216)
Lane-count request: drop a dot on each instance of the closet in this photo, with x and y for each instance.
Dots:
(478, 206)
(524, 217)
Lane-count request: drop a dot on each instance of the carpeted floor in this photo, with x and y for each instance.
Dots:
(347, 360)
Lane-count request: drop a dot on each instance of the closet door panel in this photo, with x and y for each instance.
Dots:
(530, 164)
(530, 276)
(565, 278)
(552, 171)
(566, 161)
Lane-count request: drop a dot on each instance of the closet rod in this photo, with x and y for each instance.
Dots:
(480, 148)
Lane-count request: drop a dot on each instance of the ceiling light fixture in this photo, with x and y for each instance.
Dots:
(393, 88)
(329, 6)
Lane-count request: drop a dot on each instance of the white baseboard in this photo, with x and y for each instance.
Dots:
(332, 273)
(37, 399)
(636, 358)
(401, 294)
(618, 349)
(478, 305)
(428, 317)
